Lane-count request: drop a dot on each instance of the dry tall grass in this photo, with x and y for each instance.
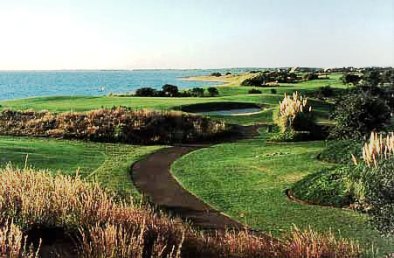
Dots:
(112, 125)
(379, 147)
(110, 228)
(13, 243)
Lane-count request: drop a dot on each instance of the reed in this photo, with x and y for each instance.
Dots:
(109, 227)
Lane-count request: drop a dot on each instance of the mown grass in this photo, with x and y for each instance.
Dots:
(109, 164)
(247, 180)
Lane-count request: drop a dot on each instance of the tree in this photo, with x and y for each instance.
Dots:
(146, 92)
(213, 91)
(170, 90)
(351, 78)
(357, 114)
(198, 92)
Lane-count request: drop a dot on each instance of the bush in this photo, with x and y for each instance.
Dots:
(350, 78)
(254, 91)
(325, 92)
(198, 92)
(311, 76)
(213, 92)
(273, 91)
(146, 92)
(357, 114)
(170, 90)
(112, 125)
(216, 74)
(257, 80)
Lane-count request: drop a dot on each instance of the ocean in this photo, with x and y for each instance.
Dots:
(23, 84)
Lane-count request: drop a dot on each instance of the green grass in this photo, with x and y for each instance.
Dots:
(109, 164)
(247, 180)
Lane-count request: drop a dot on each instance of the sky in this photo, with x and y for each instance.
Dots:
(151, 34)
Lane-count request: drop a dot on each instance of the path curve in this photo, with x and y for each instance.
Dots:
(152, 176)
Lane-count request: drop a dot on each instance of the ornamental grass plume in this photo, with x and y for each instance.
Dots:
(290, 108)
(379, 147)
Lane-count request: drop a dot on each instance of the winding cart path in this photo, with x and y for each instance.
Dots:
(152, 176)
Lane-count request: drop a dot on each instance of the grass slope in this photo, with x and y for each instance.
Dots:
(109, 164)
(247, 180)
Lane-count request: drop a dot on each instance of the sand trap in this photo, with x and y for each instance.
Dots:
(233, 112)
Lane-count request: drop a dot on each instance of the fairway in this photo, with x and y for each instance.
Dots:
(109, 164)
(247, 180)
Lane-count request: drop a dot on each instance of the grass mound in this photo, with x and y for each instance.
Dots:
(327, 187)
(341, 151)
(107, 227)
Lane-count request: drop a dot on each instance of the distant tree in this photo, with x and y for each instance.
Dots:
(213, 92)
(311, 76)
(198, 92)
(146, 92)
(170, 90)
(228, 73)
(216, 74)
(350, 78)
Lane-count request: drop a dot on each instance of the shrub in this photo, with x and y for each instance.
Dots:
(311, 76)
(228, 73)
(356, 115)
(325, 92)
(170, 90)
(108, 227)
(254, 91)
(273, 91)
(350, 78)
(112, 125)
(216, 74)
(257, 80)
(146, 92)
(198, 92)
(213, 92)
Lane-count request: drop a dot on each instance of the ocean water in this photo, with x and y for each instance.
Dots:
(23, 84)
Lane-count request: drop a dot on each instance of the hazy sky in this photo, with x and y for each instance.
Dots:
(128, 34)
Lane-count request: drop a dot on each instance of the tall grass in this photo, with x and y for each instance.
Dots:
(112, 125)
(291, 109)
(108, 227)
(378, 147)
(13, 242)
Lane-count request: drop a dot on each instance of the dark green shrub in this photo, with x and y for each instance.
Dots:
(325, 92)
(146, 92)
(273, 91)
(350, 78)
(198, 92)
(379, 193)
(213, 92)
(311, 76)
(356, 115)
(254, 91)
(216, 74)
(170, 90)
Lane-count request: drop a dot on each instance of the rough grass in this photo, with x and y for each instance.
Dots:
(108, 227)
(247, 180)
